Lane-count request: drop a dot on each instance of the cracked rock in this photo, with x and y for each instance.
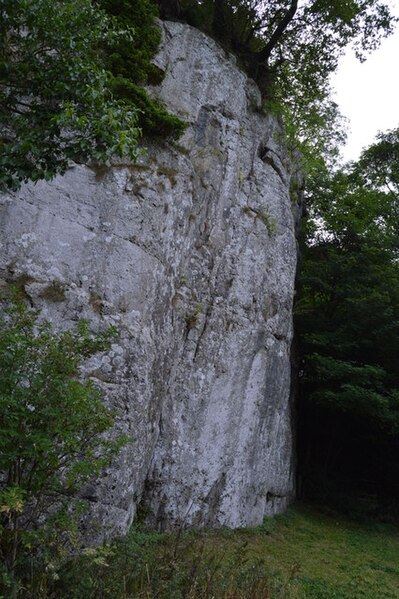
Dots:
(200, 287)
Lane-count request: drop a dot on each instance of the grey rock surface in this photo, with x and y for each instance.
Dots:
(191, 253)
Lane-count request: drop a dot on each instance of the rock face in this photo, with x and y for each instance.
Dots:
(192, 254)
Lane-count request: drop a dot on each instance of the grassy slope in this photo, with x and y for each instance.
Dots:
(303, 554)
(319, 556)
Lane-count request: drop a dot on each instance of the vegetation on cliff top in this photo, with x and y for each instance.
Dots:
(55, 103)
(130, 63)
(71, 77)
(291, 48)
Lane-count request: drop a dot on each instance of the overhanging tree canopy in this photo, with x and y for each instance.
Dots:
(55, 103)
(71, 76)
(290, 48)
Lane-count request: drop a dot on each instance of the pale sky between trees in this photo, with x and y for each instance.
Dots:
(368, 93)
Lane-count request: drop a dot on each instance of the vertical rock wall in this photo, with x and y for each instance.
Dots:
(191, 253)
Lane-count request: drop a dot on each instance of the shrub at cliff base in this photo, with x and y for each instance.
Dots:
(51, 442)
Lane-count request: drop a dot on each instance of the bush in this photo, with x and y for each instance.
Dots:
(51, 442)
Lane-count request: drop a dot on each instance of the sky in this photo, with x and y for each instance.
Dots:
(368, 93)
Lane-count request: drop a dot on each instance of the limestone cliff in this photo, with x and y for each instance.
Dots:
(191, 253)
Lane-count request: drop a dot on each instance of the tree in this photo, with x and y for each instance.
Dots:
(303, 44)
(290, 49)
(347, 320)
(309, 35)
(379, 165)
(55, 101)
(52, 441)
(71, 84)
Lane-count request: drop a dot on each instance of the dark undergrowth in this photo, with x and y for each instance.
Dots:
(306, 553)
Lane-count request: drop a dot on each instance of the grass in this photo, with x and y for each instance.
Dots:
(327, 557)
(302, 554)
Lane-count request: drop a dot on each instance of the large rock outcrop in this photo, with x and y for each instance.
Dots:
(191, 253)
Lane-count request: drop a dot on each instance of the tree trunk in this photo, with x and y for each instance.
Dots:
(265, 53)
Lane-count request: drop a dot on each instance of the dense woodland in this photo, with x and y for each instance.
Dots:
(347, 329)
(73, 88)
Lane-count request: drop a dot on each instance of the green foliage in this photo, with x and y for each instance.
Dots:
(132, 58)
(55, 103)
(154, 119)
(51, 441)
(291, 49)
(170, 566)
(348, 324)
(131, 66)
(299, 555)
(303, 60)
(314, 129)
(379, 164)
(70, 77)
